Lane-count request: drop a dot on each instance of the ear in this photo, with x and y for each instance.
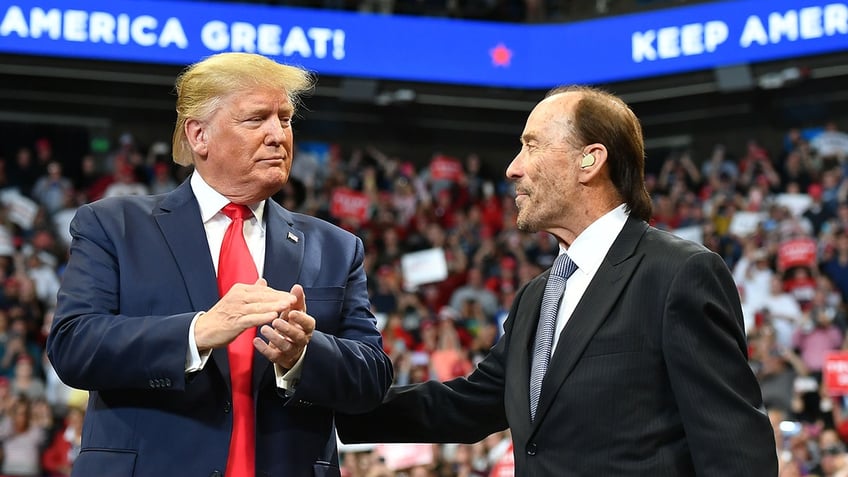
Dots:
(196, 133)
(593, 161)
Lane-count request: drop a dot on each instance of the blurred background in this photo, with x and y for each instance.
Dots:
(417, 112)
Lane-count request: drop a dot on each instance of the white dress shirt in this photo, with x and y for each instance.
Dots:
(587, 252)
(215, 223)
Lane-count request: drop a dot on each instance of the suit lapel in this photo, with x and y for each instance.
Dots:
(181, 225)
(284, 248)
(179, 220)
(592, 310)
(524, 335)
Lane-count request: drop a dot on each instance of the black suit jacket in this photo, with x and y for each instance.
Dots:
(649, 378)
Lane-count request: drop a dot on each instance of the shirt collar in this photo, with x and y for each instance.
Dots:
(211, 201)
(592, 245)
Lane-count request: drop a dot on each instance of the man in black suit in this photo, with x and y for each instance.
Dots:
(647, 370)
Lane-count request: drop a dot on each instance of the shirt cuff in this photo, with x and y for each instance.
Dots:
(194, 360)
(287, 380)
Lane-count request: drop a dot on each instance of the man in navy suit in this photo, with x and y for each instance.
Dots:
(648, 371)
(140, 322)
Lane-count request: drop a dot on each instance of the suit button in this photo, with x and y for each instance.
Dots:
(531, 449)
(167, 382)
(227, 406)
(152, 383)
(216, 473)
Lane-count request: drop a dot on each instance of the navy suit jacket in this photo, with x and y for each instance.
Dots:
(139, 271)
(649, 378)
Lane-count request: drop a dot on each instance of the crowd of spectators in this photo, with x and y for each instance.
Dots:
(777, 214)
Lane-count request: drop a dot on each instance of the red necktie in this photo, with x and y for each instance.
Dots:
(235, 265)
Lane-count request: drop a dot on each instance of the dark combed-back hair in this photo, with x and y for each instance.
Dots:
(601, 117)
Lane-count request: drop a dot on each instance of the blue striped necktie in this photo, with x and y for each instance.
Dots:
(560, 272)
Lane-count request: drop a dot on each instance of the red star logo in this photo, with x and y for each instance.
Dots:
(500, 55)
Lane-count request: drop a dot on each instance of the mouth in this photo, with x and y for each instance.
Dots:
(521, 196)
(272, 160)
(520, 199)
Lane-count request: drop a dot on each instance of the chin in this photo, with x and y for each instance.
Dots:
(524, 225)
(274, 178)
(272, 188)
(264, 188)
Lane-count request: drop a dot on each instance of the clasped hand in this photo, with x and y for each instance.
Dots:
(281, 315)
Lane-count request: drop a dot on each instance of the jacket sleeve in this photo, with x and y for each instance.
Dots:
(345, 367)
(92, 345)
(718, 396)
(460, 410)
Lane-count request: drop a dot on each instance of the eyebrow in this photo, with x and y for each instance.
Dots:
(263, 109)
(527, 137)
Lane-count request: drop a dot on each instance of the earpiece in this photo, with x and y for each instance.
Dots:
(588, 160)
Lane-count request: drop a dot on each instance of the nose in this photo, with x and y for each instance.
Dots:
(276, 133)
(513, 171)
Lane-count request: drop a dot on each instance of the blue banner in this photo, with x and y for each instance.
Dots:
(429, 49)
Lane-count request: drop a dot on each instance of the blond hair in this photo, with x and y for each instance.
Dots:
(203, 85)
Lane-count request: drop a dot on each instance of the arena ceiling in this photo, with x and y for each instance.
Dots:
(109, 97)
